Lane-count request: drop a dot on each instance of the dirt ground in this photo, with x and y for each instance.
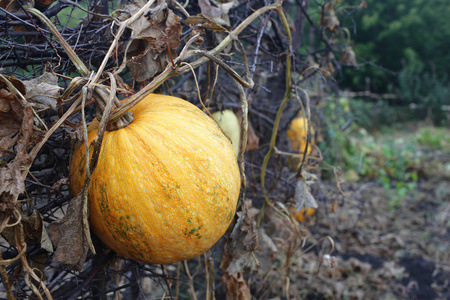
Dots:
(382, 253)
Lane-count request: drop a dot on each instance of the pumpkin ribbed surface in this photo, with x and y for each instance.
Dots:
(166, 186)
(297, 134)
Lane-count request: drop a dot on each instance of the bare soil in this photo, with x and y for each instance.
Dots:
(381, 252)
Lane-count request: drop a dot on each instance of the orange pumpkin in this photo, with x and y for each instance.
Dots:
(166, 186)
(297, 134)
(301, 215)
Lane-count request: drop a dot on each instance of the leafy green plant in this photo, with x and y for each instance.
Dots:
(389, 160)
(434, 138)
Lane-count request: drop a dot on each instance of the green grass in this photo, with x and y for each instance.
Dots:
(390, 155)
(436, 138)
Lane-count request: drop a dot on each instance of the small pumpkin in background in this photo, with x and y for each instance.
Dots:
(303, 214)
(166, 186)
(297, 134)
(229, 123)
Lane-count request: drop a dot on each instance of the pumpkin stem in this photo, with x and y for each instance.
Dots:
(103, 97)
(122, 122)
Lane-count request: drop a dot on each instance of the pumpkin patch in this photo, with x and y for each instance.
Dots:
(166, 186)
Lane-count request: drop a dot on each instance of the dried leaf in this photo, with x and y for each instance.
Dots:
(46, 242)
(303, 197)
(237, 287)
(160, 26)
(18, 84)
(246, 260)
(238, 253)
(145, 65)
(153, 36)
(348, 57)
(329, 18)
(11, 182)
(68, 236)
(210, 9)
(43, 91)
(217, 12)
(34, 229)
(326, 64)
(265, 241)
(245, 230)
(244, 240)
(11, 115)
(33, 226)
(16, 133)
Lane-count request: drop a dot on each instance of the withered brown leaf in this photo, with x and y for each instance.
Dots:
(153, 36)
(237, 287)
(244, 240)
(11, 115)
(16, 135)
(303, 196)
(348, 57)
(43, 91)
(158, 26)
(217, 12)
(18, 84)
(145, 65)
(68, 236)
(34, 229)
(329, 18)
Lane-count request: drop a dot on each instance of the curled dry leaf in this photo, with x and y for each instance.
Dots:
(348, 57)
(68, 236)
(18, 84)
(238, 252)
(244, 232)
(326, 64)
(11, 115)
(237, 287)
(216, 12)
(33, 227)
(16, 136)
(152, 36)
(243, 241)
(303, 197)
(11, 183)
(160, 26)
(145, 65)
(43, 91)
(216, 16)
(329, 18)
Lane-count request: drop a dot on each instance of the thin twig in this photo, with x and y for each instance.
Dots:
(191, 280)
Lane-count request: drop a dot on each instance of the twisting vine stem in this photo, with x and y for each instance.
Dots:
(286, 98)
